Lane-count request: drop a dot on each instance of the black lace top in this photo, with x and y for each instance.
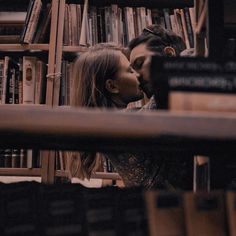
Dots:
(170, 170)
(162, 171)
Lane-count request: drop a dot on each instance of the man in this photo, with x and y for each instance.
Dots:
(154, 40)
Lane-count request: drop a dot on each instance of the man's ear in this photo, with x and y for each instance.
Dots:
(112, 86)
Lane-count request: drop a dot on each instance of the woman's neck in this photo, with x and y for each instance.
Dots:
(118, 103)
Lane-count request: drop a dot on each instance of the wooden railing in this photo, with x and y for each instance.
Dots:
(76, 129)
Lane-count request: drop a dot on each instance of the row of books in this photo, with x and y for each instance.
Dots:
(22, 158)
(31, 208)
(22, 80)
(91, 25)
(88, 25)
(19, 158)
(194, 84)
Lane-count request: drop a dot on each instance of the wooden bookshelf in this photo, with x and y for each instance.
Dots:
(48, 51)
(74, 49)
(24, 47)
(55, 51)
(106, 175)
(150, 3)
(75, 129)
(20, 171)
(97, 175)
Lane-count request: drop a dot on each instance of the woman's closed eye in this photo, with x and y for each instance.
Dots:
(130, 69)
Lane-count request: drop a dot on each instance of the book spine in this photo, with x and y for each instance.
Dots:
(27, 18)
(167, 18)
(189, 27)
(1, 78)
(29, 72)
(4, 79)
(32, 25)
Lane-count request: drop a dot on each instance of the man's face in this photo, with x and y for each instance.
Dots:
(140, 60)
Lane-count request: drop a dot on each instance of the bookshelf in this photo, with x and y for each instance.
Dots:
(55, 51)
(31, 50)
(50, 127)
(26, 47)
(76, 129)
(57, 128)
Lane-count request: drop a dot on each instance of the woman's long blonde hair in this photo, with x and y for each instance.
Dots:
(91, 70)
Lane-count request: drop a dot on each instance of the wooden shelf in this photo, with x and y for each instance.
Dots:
(106, 175)
(24, 47)
(20, 171)
(74, 49)
(61, 173)
(97, 175)
(58, 173)
(90, 129)
(149, 3)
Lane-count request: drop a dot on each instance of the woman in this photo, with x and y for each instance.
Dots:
(103, 77)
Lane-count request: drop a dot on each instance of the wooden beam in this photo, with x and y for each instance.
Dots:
(24, 47)
(89, 129)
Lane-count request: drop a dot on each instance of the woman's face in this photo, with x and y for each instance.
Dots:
(127, 81)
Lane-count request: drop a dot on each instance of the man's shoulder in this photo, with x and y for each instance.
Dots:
(150, 105)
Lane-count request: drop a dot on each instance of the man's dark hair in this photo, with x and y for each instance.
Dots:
(157, 38)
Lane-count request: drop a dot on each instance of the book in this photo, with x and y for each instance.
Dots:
(231, 212)
(189, 26)
(4, 79)
(42, 33)
(166, 14)
(204, 213)
(66, 26)
(84, 25)
(1, 78)
(27, 18)
(8, 158)
(200, 84)
(31, 22)
(100, 205)
(131, 211)
(12, 83)
(40, 83)
(79, 20)
(62, 210)
(185, 28)
(165, 213)
(19, 209)
(179, 23)
(74, 27)
(29, 76)
(15, 158)
(129, 21)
